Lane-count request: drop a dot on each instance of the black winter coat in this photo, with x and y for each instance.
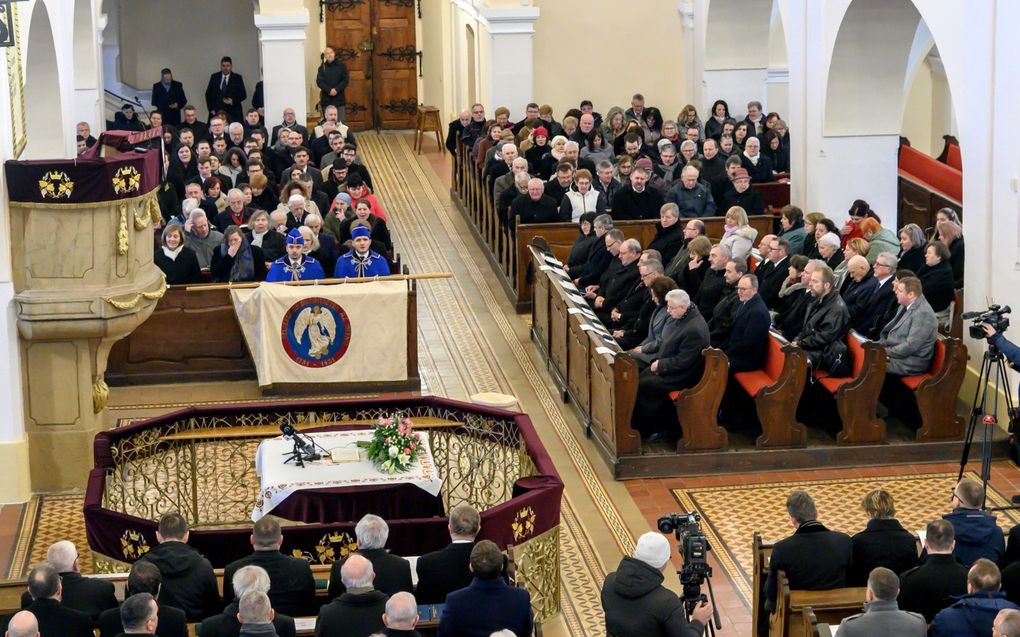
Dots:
(182, 270)
(636, 604)
(939, 286)
(332, 76)
(188, 579)
(825, 322)
(912, 259)
(813, 558)
(668, 241)
(884, 542)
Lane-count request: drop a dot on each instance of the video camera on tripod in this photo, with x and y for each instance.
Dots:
(693, 547)
(995, 316)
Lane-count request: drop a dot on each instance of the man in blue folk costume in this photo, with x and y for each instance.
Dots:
(362, 261)
(295, 265)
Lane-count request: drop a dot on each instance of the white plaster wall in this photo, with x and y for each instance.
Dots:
(214, 29)
(737, 87)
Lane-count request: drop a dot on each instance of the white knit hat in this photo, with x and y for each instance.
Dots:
(652, 549)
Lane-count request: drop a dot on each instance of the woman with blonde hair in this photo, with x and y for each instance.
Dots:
(688, 118)
(615, 123)
(883, 542)
(811, 219)
(738, 235)
(690, 278)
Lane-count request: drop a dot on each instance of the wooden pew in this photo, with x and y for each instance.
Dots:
(697, 408)
(776, 390)
(775, 194)
(614, 382)
(581, 343)
(560, 237)
(830, 606)
(937, 389)
(761, 551)
(812, 627)
(925, 186)
(857, 395)
(540, 299)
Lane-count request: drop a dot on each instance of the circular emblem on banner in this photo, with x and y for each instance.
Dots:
(55, 185)
(315, 332)
(126, 179)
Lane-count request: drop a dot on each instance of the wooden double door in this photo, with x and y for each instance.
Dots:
(376, 40)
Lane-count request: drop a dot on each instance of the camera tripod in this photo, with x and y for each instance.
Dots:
(993, 374)
(691, 595)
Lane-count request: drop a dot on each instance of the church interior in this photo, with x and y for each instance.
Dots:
(131, 396)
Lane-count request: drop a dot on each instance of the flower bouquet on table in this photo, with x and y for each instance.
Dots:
(394, 446)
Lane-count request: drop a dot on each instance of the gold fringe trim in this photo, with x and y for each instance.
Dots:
(130, 302)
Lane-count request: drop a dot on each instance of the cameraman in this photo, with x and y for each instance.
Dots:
(637, 605)
(1008, 349)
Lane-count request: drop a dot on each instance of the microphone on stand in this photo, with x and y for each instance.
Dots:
(306, 447)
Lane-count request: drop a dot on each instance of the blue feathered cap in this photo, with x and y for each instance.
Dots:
(294, 238)
(361, 231)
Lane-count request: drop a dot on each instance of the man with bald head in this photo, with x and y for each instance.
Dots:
(228, 623)
(517, 166)
(23, 624)
(293, 586)
(54, 618)
(859, 285)
(534, 206)
(88, 595)
(1007, 623)
(401, 616)
(584, 126)
(358, 612)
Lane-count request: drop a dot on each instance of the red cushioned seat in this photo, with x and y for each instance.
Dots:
(855, 349)
(937, 360)
(754, 381)
(673, 395)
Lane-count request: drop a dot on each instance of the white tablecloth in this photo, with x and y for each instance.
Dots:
(279, 480)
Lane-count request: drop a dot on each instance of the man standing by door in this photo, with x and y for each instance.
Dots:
(332, 80)
(226, 91)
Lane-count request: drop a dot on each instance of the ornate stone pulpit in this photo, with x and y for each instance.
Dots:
(82, 244)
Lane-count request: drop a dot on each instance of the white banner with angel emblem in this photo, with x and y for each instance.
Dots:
(325, 333)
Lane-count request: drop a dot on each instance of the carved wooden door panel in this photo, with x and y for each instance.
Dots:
(395, 78)
(375, 39)
(349, 30)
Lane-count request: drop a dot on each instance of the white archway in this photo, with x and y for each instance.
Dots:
(738, 58)
(875, 55)
(43, 110)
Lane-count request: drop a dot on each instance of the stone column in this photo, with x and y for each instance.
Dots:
(511, 57)
(694, 54)
(283, 64)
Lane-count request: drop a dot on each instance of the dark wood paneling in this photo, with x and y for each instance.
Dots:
(349, 30)
(190, 337)
(376, 40)
(395, 62)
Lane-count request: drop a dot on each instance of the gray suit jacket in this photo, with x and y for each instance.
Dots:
(883, 618)
(909, 339)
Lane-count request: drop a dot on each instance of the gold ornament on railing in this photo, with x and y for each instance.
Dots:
(129, 302)
(100, 394)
